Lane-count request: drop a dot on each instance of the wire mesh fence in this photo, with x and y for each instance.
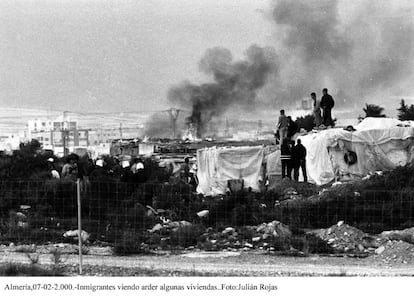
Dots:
(372, 211)
(135, 217)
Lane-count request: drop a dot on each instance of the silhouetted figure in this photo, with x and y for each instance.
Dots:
(98, 173)
(70, 169)
(327, 103)
(316, 111)
(137, 170)
(126, 175)
(299, 160)
(185, 171)
(285, 157)
(116, 170)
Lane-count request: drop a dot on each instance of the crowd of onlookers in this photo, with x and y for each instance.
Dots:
(293, 155)
(123, 169)
(75, 167)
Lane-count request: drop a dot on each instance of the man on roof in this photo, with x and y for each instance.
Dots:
(327, 103)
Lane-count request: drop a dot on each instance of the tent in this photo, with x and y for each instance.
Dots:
(217, 165)
(377, 144)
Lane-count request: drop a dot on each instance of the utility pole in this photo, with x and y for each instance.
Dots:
(120, 130)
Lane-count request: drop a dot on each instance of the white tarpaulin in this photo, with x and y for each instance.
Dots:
(273, 163)
(379, 144)
(217, 165)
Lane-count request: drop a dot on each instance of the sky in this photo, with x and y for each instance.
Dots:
(126, 55)
(114, 55)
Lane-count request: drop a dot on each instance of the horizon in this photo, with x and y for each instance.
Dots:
(103, 57)
(15, 124)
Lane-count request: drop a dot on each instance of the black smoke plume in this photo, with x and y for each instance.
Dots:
(234, 82)
(358, 50)
(362, 51)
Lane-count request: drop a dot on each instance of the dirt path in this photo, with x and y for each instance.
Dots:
(236, 264)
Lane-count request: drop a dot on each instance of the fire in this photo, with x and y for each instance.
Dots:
(190, 134)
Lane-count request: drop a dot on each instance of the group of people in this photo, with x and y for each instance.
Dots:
(86, 169)
(325, 104)
(293, 157)
(135, 171)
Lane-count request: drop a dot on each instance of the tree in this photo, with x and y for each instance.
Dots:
(405, 112)
(27, 162)
(373, 111)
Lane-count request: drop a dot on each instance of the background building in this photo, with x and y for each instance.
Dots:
(61, 135)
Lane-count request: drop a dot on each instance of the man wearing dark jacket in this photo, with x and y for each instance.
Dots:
(299, 160)
(327, 103)
(285, 157)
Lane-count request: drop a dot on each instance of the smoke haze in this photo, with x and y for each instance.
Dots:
(361, 51)
(234, 83)
(359, 56)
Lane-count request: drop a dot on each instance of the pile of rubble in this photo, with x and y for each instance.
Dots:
(228, 239)
(345, 238)
(270, 236)
(389, 246)
(396, 252)
(406, 235)
(169, 226)
(289, 197)
(291, 194)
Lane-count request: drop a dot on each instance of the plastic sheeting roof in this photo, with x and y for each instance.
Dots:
(217, 165)
(371, 141)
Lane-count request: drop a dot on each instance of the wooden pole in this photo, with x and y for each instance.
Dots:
(79, 224)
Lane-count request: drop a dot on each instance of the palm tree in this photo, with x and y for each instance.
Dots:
(373, 111)
(405, 112)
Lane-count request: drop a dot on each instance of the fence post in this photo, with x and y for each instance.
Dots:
(79, 224)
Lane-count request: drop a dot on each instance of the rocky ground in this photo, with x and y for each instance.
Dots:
(263, 250)
(198, 263)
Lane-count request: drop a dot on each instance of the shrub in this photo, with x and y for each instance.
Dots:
(130, 242)
(31, 235)
(14, 269)
(186, 236)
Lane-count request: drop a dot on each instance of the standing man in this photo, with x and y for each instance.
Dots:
(299, 159)
(327, 103)
(185, 171)
(282, 125)
(285, 158)
(316, 111)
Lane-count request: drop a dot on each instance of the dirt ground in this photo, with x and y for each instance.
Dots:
(220, 264)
